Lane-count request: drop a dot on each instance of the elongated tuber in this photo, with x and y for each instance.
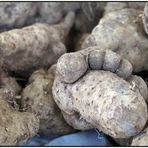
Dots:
(39, 45)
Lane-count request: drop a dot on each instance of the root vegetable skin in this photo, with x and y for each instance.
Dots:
(87, 13)
(9, 90)
(137, 5)
(16, 127)
(9, 86)
(15, 14)
(37, 98)
(53, 12)
(122, 31)
(39, 45)
(101, 97)
(114, 6)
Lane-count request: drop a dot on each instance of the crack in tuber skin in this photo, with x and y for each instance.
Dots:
(37, 98)
(122, 31)
(37, 46)
(94, 88)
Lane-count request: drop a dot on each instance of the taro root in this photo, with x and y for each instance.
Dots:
(122, 31)
(16, 127)
(37, 98)
(114, 6)
(87, 13)
(10, 90)
(53, 12)
(95, 88)
(39, 45)
(15, 14)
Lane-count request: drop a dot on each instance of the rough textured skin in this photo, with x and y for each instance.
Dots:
(15, 14)
(114, 6)
(102, 97)
(137, 5)
(67, 67)
(122, 31)
(9, 90)
(87, 13)
(145, 18)
(53, 12)
(140, 83)
(16, 127)
(40, 45)
(141, 139)
(37, 98)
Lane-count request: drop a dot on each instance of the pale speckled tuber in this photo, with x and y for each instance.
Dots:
(15, 14)
(37, 98)
(37, 46)
(137, 5)
(122, 31)
(114, 6)
(96, 88)
(87, 13)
